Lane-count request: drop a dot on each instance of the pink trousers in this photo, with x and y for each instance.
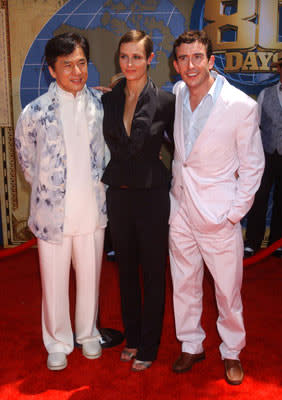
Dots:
(222, 252)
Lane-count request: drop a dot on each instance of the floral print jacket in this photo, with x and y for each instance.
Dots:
(42, 155)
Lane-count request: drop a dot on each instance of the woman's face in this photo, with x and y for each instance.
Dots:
(132, 60)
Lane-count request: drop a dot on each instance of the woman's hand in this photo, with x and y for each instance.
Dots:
(103, 89)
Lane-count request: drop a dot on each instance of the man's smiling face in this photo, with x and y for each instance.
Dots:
(71, 71)
(193, 65)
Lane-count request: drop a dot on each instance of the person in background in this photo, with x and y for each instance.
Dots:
(136, 115)
(216, 137)
(62, 153)
(270, 107)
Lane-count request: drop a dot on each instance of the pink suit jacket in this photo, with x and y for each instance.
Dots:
(230, 141)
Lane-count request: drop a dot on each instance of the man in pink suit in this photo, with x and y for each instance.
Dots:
(217, 169)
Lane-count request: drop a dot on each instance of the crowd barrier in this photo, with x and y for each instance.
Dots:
(263, 253)
(18, 249)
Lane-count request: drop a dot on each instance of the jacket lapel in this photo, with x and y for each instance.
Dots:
(214, 120)
(178, 122)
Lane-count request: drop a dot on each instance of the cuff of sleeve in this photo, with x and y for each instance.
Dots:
(233, 217)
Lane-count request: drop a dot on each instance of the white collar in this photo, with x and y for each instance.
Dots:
(68, 95)
(213, 91)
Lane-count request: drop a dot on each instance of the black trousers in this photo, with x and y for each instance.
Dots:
(139, 228)
(257, 215)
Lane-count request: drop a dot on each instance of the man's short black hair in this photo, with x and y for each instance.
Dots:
(63, 45)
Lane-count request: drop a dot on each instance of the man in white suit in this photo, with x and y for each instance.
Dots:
(217, 169)
(62, 152)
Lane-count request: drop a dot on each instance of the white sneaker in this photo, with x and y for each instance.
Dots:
(57, 361)
(92, 349)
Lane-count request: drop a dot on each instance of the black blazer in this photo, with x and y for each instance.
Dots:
(135, 159)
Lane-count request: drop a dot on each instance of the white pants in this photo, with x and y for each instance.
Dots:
(222, 252)
(85, 252)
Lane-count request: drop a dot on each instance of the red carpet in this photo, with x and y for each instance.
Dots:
(23, 372)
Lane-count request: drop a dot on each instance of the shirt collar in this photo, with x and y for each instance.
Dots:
(67, 95)
(213, 91)
(278, 85)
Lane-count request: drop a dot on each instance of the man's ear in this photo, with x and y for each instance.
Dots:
(176, 66)
(52, 72)
(152, 55)
(211, 62)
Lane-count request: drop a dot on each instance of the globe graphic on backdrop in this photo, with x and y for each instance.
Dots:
(250, 83)
(102, 23)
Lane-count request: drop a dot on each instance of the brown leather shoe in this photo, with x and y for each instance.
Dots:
(234, 373)
(186, 361)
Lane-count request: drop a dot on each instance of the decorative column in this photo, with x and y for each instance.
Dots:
(8, 198)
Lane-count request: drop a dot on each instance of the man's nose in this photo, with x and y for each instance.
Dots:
(76, 70)
(190, 63)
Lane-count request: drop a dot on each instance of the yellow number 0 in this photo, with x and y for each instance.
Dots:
(268, 33)
(265, 34)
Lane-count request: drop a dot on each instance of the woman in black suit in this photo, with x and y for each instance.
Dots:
(136, 115)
